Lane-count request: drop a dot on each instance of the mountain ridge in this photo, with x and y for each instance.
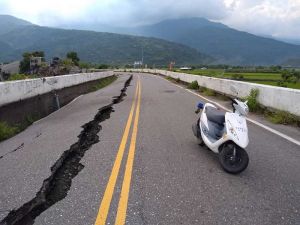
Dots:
(228, 45)
(97, 47)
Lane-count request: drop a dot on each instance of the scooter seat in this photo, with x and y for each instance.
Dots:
(215, 115)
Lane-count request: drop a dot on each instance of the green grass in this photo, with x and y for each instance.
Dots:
(221, 74)
(255, 77)
(274, 83)
(104, 82)
(20, 77)
(7, 131)
(282, 117)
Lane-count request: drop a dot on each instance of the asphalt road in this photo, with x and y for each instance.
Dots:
(172, 180)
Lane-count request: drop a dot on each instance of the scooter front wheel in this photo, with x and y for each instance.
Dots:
(233, 158)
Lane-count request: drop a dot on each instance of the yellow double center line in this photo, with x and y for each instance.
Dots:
(108, 194)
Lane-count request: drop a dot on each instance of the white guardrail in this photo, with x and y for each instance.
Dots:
(13, 91)
(286, 99)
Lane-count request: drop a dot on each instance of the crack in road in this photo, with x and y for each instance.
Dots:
(16, 149)
(57, 185)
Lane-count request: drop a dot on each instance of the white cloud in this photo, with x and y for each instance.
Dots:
(280, 18)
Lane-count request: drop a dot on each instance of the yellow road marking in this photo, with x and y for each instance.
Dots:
(123, 202)
(105, 204)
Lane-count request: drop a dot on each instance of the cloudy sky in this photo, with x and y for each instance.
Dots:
(277, 18)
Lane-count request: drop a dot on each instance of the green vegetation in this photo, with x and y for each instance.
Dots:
(74, 57)
(207, 91)
(279, 84)
(274, 116)
(169, 78)
(194, 85)
(281, 78)
(233, 46)
(103, 67)
(84, 65)
(97, 47)
(7, 131)
(104, 82)
(20, 77)
(25, 63)
(282, 117)
(252, 100)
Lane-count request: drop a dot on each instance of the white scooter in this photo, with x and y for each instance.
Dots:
(225, 133)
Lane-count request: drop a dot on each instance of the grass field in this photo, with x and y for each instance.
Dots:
(274, 83)
(260, 78)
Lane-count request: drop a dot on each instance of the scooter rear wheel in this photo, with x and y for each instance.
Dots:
(233, 164)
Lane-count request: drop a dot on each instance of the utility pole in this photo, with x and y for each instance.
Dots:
(142, 56)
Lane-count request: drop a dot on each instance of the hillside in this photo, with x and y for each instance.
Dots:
(96, 47)
(9, 23)
(226, 44)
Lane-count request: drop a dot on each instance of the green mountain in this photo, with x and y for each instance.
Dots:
(222, 42)
(9, 23)
(97, 47)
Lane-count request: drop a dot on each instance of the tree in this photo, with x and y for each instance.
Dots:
(103, 66)
(286, 75)
(74, 57)
(25, 63)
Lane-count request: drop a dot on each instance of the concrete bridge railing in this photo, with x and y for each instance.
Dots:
(13, 91)
(280, 98)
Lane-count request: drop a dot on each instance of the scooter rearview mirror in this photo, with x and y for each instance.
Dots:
(200, 106)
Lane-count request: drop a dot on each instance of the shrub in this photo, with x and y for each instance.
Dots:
(237, 76)
(194, 85)
(241, 77)
(281, 84)
(210, 92)
(252, 100)
(74, 57)
(282, 117)
(103, 66)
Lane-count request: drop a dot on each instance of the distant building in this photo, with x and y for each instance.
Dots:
(185, 68)
(137, 64)
(35, 62)
(203, 68)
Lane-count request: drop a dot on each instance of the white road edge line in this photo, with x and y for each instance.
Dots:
(250, 120)
(58, 109)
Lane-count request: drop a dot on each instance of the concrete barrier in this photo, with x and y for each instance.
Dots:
(280, 98)
(13, 91)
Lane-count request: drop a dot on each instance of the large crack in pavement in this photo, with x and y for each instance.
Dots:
(57, 185)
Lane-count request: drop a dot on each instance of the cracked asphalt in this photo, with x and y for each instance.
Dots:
(174, 181)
